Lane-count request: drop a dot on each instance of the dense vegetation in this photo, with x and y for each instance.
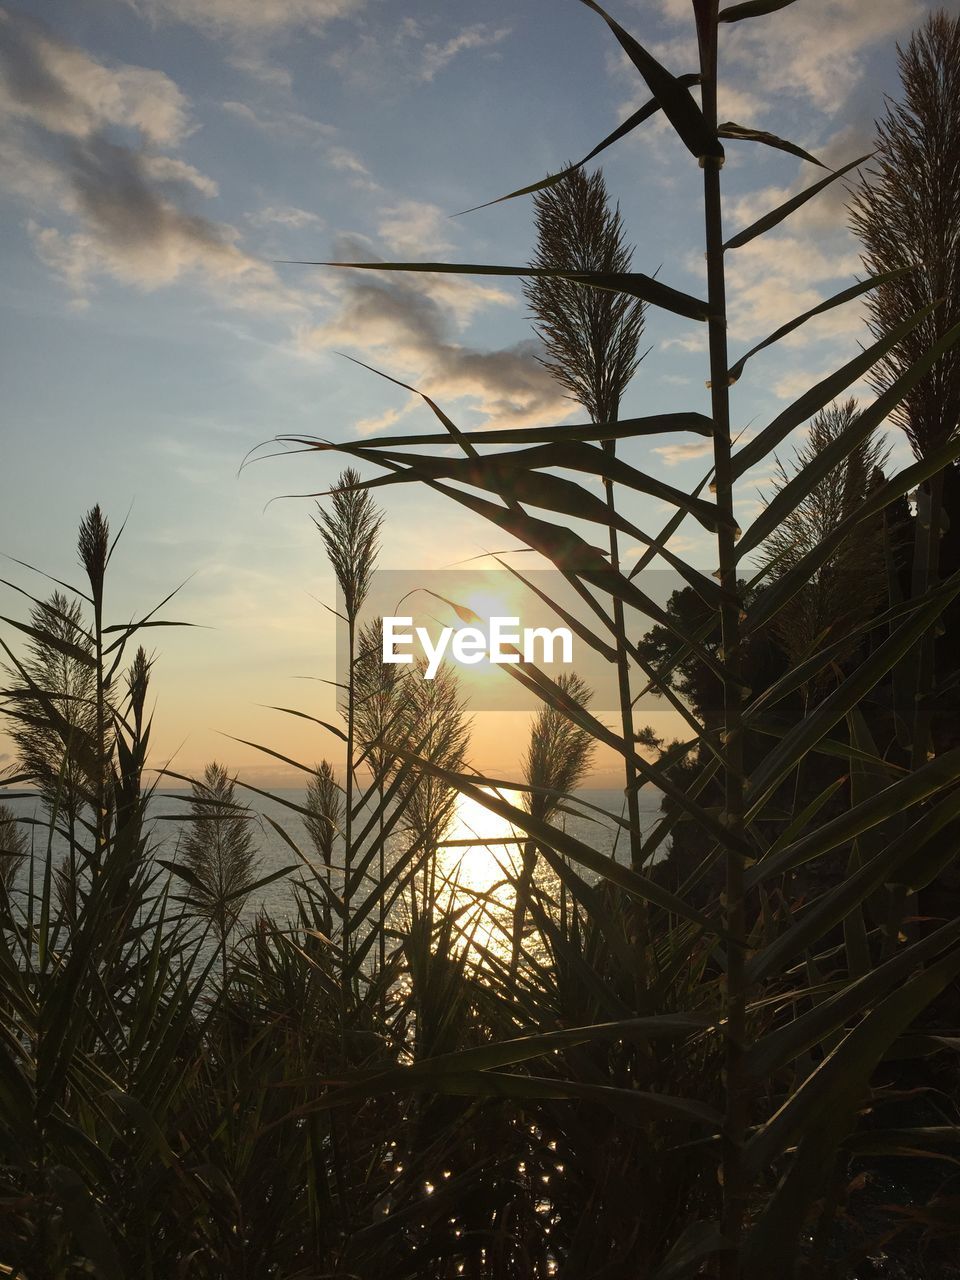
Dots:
(738, 1061)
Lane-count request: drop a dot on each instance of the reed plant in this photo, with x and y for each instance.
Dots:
(385, 1088)
(783, 1109)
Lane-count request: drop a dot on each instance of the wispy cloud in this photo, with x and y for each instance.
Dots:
(47, 82)
(410, 326)
(816, 50)
(479, 36)
(773, 279)
(250, 17)
(290, 128)
(412, 51)
(285, 216)
(383, 421)
(347, 161)
(282, 124)
(122, 209)
(689, 451)
(94, 152)
(411, 226)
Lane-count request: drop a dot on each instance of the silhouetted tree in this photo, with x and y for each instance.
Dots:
(845, 591)
(688, 676)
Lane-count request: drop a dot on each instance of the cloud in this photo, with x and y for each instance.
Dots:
(132, 227)
(383, 421)
(285, 216)
(795, 382)
(773, 279)
(93, 151)
(122, 208)
(738, 104)
(410, 325)
(816, 50)
(64, 90)
(800, 264)
(688, 451)
(249, 17)
(170, 170)
(284, 125)
(410, 225)
(479, 36)
(259, 65)
(347, 161)
(674, 454)
(293, 128)
(695, 342)
(827, 211)
(410, 51)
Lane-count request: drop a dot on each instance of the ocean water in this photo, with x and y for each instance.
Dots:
(466, 867)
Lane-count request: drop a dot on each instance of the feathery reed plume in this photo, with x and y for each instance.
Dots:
(58, 666)
(906, 212)
(591, 337)
(436, 726)
(557, 760)
(58, 662)
(324, 803)
(93, 545)
(351, 536)
(138, 679)
(219, 850)
(380, 692)
(560, 751)
(14, 847)
(592, 343)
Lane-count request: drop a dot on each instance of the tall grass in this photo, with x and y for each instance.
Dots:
(383, 1087)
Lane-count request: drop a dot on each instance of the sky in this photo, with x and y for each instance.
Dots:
(164, 160)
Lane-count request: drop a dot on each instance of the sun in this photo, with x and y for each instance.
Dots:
(489, 604)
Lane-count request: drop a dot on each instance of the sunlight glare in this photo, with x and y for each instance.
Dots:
(477, 867)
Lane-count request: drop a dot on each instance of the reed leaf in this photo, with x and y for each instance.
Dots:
(674, 97)
(638, 117)
(838, 300)
(633, 283)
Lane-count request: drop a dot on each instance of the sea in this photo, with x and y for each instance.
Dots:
(482, 842)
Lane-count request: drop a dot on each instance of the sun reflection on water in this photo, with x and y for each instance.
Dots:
(478, 859)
